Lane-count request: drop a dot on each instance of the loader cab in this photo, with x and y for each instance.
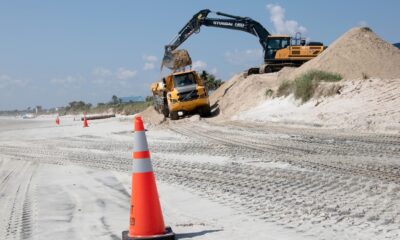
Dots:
(275, 43)
(184, 80)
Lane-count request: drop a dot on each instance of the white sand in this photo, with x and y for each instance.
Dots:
(62, 200)
(70, 182)
(363, 105)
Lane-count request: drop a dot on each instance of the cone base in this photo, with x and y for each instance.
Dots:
(168, 235)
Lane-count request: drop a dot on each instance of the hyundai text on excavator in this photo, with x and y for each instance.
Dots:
(279, 50)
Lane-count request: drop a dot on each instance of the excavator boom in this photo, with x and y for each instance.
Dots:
(231, 22)
(244, 24)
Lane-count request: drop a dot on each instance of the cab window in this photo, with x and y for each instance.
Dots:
(284, 43)
(273, 44)
(184, 80)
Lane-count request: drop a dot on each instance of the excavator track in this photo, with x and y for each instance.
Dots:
(272, 67)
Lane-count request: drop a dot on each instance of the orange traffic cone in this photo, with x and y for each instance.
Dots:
(58, 120)
(146, 220)
(85, 122)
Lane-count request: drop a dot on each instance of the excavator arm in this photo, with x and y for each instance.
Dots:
(230, 22)
(191, 27)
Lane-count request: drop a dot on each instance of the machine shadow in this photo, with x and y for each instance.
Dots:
(195, 234)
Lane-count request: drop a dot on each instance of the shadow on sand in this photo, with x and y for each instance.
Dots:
(195, 234)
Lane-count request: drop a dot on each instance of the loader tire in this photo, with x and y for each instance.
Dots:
(174, 115)
(165, 112)
(205, 111)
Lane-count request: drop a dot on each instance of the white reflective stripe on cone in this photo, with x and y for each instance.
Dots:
(142, 165)
(140, 142)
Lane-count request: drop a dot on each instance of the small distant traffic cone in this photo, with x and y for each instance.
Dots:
(146, 220)
(85, 122)
(58, 120)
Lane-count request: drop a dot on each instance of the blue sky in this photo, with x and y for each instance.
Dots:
(54, 52)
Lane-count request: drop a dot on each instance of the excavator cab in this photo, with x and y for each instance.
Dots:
(275, 43)
(285, 51)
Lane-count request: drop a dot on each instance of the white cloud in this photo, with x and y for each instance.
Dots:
(99, 81)
(244, 57)
(7, 81)
(214, 71)
(150, 58)
(148, 66)
(104, 75)
(123, 73)
(199, 65)
(283, 26)
(150, 61)
(102, 72)
(68, 81)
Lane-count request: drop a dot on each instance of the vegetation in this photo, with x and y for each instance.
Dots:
(210, 81)
(269, 92)
(285, 88)
(149, 99)
(115, 105)
(115, 100)
(303, 87)
(78, 107)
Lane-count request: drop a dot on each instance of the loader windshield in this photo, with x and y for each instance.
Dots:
(184, 80)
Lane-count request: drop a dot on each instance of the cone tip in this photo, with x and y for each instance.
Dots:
(139, 124)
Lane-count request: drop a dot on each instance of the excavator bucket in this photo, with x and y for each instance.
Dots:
(176, 59)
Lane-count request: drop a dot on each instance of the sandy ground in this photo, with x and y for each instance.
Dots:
(67, 182)
(223, 181)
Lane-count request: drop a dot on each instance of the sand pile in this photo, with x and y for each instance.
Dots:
(358, 54)
(239, 93)
(151, 116)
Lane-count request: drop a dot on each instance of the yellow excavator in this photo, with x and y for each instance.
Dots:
(279, 50)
